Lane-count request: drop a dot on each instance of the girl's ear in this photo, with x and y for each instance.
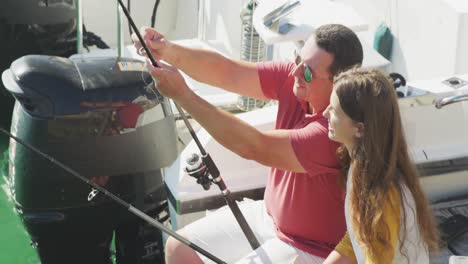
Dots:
(359, 130)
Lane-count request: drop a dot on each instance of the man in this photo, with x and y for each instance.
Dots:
(302, 217)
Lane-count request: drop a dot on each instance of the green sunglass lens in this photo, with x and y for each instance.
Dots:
(307, 74)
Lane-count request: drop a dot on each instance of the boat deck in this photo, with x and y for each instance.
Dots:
(448, 215)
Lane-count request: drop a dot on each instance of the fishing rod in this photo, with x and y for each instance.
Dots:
(204, 169)
(128, 206)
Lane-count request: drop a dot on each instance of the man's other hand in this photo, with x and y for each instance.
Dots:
(169, 81)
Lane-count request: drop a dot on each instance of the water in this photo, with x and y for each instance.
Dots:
(14, 241)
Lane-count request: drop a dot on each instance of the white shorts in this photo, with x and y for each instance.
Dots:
(220, 234)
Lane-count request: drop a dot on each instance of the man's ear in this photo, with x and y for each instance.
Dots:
(359, 130)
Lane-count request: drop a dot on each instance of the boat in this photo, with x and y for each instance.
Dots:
(435, 85)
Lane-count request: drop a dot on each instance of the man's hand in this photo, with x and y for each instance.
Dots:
(169, 81)
(155, 41)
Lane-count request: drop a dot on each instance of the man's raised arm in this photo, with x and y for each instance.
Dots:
(204, 66)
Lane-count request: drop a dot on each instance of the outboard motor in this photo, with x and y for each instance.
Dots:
(100, 117)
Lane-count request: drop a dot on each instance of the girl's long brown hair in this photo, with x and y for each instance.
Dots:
(380, 159)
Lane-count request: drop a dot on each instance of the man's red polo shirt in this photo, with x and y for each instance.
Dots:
(307, 208)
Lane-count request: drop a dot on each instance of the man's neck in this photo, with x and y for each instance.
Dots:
(313, 109)
(310, 110)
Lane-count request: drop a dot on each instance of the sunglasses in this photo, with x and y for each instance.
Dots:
(306, 69)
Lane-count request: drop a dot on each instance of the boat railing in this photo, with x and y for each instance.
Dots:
(441, 102)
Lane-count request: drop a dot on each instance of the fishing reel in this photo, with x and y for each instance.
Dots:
(197, 168)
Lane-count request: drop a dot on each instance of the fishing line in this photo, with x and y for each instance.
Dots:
(210, 171)
(206, 159)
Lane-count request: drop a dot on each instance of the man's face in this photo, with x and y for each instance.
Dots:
(316, 85)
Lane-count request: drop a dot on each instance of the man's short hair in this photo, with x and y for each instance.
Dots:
(343, 43)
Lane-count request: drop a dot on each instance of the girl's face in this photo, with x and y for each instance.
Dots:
(341, 128)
